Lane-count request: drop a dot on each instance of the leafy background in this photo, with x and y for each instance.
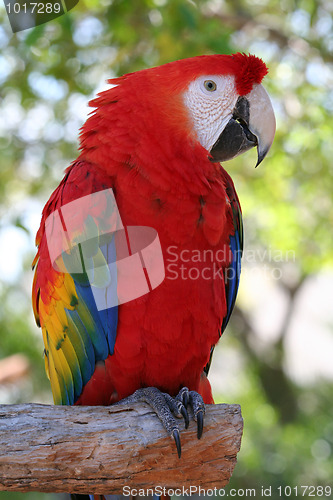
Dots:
(276, 357)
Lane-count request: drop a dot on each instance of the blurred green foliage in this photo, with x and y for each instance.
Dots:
(47, 76)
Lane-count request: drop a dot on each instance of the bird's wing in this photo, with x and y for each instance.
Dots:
(232, 273)
(71, 266)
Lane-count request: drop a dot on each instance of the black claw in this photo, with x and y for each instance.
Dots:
(185, 399)
(199, 423)
(183, 411)
(176, 437)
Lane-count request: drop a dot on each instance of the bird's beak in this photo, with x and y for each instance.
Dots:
(252, 124)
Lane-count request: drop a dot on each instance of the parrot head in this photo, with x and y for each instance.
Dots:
(214, 101)
(229, 110)
(248, 121)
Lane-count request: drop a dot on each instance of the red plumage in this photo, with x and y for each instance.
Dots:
(139, 142)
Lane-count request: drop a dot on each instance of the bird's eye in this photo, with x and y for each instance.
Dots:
(210, 85)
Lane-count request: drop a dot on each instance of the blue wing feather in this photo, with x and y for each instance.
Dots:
(236, 247)
(109, 316)
(233, 275)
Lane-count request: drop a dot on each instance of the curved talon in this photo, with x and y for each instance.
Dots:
(198, 407)
(185, 396)
(167, 408)
(199, 418)
(176, 437)
(186, 417)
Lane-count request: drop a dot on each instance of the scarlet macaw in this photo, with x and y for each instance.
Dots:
(156, 138)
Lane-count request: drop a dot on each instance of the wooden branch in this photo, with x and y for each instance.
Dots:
(100, 450)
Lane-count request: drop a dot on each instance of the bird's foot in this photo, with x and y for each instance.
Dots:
(167, 408)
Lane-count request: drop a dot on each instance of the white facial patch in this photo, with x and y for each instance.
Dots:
(210, 100)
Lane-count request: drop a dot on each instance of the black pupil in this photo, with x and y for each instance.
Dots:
(210, 85)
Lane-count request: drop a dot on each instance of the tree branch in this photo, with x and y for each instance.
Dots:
(102, 449)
